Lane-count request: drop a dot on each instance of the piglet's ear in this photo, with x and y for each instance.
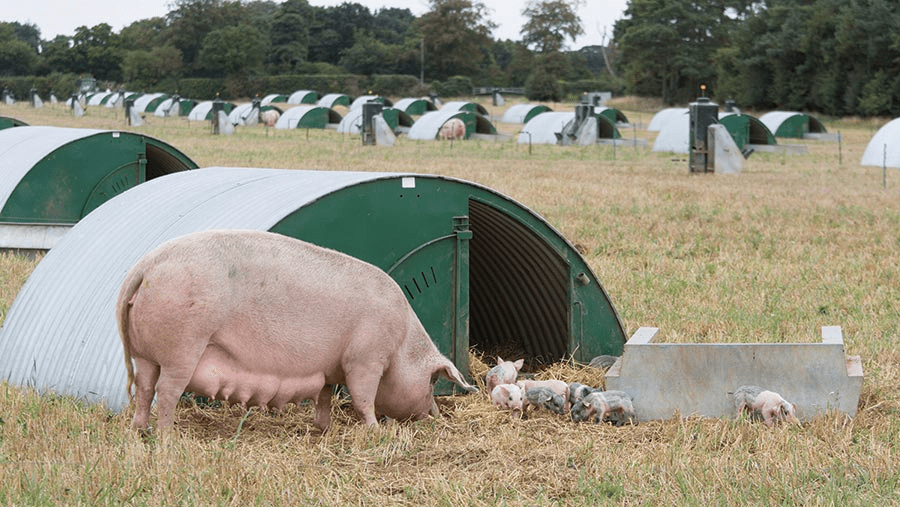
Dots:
(518, 364)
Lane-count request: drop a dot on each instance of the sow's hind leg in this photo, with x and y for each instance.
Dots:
(146, 374)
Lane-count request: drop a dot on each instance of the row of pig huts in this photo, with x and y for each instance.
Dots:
(481, 270)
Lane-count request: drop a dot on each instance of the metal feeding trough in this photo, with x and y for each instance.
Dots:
(52, 177)
(481, 270)
(665, 379)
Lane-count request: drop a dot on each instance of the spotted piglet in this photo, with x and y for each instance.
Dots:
(557, 386)
(768, 405)
(601, 404)
(505, 372)
(546, 398)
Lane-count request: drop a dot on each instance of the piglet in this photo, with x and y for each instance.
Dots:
(546, 398)
(557, 386)
(505, 372)
(600, 404)
(508, 396)
(603, 362)
(766, 404)
(579, 391)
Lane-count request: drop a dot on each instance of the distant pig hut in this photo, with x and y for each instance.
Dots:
(481, 271)
(52, 177)
(428, 126)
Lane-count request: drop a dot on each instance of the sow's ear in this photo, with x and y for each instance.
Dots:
(448, 371)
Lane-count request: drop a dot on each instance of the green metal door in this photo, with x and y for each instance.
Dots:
(435, 278)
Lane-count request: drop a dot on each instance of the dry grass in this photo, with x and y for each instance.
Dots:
(789, 245)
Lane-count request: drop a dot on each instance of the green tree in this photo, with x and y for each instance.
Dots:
(97, 51)
(667, 47)
(290, 35)
(549, 23)
(543, 83)
(457, 38)
(17, 58)
(232, 51)
(151, 67)
(334, 30)
(191, 20)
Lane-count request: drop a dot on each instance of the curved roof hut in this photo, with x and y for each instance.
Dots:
(428, 126)
(168, 107)
(414, 106)
(663, 117)
(883, 149)
(546, 128)
(306, 116)
(459, 105)
(746, 129)
(148, 102)
(523, 113)
(274, 97)
(612, 114)
(9, 122)
(203, 110)
(359, 101)
(674, 135)
(481, 270)
(398, 120)
(303, 97)
(334, 99)
(52, 177)
(99, 98)
(792, 124)
(550, 127)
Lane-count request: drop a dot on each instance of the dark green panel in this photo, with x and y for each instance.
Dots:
(526, 286)
(58, 187)
(794, 126)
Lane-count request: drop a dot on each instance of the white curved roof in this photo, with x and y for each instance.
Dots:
(426, 128)
(97, 98)
(674, 135)
(542, 129)
(290, 118)
(330, 99)
(884, 147)
(141, 103)
(663, 117)
(60, 334)
(298, 96)
(351, 123)
(200, 110)
(517, 113)
(240, 113)
(269, 98)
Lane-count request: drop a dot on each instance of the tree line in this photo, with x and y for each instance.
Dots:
(241, 39)
(838, 57)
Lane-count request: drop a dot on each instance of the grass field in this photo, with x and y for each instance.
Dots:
(792, 243)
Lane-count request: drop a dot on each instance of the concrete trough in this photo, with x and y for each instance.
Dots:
(665, 379)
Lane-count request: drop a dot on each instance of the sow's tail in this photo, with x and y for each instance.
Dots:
(132, 282)
(448, 370)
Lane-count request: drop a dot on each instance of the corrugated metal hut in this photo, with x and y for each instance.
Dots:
(792, 124)
(481, 270)
(308, 117)
(362, 99)
(414, 106)
(303, 97)
(428, 126)
(53, 176)
(746, 129)
(883, 149)
(352, 121)
(460, 105)
(523, 113)
(148, 102)
(202, 111)
(274, 97)
(334, 99)
(548, 128)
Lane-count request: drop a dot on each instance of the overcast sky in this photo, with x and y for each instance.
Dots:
(55, 17)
